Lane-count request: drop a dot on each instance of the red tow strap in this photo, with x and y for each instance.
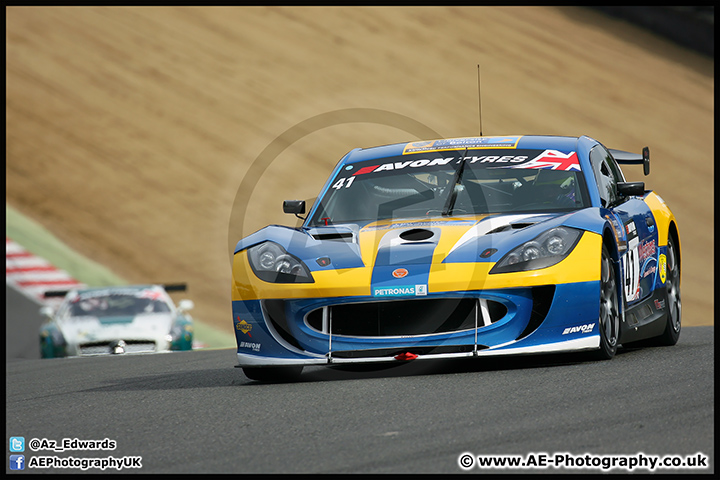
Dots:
(406, 356)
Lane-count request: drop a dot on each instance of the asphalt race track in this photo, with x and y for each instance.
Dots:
(193, 412)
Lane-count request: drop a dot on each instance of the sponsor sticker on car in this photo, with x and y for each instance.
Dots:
(456, 143)
(579, 329)
(400, 291)
(663, 267)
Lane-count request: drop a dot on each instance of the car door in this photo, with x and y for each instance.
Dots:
(638, 260)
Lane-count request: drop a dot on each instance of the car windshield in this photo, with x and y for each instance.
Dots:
(453, 183)
(115, 305)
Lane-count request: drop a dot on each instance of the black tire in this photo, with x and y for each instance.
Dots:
(273, 374)
(672, 300)
(609, 317)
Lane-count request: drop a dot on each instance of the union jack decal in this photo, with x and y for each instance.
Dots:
(553, 160)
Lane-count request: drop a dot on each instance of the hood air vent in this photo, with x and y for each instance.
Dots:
(511, 226)
(416, 235)
(337, 236)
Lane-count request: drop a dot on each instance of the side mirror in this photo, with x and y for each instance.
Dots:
(47, 312)
(294, 206)
(646, 160)
(631, 188)
(186, 305)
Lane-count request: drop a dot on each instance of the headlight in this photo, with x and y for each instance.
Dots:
(543, 251)
(273, 264)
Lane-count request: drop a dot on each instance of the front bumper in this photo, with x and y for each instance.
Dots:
(315, 331)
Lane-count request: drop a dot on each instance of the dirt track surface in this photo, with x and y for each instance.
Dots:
(130, 130)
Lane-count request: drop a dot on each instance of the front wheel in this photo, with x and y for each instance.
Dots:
(609, 319)
(273, 374)
(47, 350)
(52, 344)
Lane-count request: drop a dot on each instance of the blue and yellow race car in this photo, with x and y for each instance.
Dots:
(462, 247)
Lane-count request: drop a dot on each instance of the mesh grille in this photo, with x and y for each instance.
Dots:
(104, 348)
(405, 317)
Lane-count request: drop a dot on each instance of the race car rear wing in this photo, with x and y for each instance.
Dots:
(626, 158)
(55, 293)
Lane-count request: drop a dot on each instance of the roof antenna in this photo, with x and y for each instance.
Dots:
(479, 101)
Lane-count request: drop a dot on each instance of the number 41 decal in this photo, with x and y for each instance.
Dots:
(631, 263)
(341, 183)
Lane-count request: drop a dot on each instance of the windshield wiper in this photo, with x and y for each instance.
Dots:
(457, 179)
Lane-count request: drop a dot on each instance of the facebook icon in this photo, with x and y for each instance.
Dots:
(17, 462)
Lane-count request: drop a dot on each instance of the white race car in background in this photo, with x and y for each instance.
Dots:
(115, 320)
